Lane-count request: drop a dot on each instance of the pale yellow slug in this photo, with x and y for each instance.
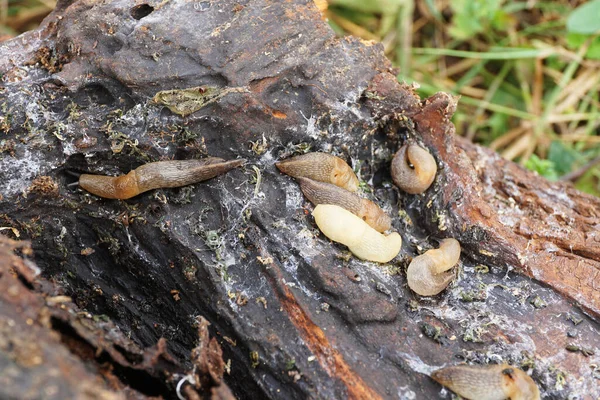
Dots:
(364, 242)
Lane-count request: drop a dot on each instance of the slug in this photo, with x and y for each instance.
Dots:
(366, 243)
(320, 167)
(154, 175)
(489, 382)
(413, 169)
(426, 274)
(326, 193)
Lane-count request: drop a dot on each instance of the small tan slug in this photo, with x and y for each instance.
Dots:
(488, 382)
(322, 167)
(154, 175)
(413, 169)
(426, 274)
(364, 242)
(326, 193)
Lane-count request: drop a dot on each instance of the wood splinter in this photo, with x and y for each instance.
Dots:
(154, 175)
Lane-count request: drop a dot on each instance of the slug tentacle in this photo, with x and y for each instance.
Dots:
(161, 174)
(489, 382)
(326, 193)
(426, 274)
(322, 167)
(413, 169)
(366, 243)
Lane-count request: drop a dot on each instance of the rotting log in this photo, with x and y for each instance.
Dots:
(294, 314)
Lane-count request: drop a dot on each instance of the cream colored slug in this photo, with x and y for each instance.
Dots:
(161, 174)
(322, 167)
(426, 274)
(413, 169)
(366, 243)
(326, 193)
(489, 382)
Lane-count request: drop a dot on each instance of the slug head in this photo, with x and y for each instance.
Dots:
(488, 382)
(413, 169)
(445, 257)
(518, 385)
(343, 176)
(373, 215)
(109, 187)
(422, 281)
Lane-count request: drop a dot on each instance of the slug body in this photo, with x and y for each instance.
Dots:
(489, 382)
(322, 167)
(161, 174)
(366, 243)
(413, 169)
(326, 193)
(426, 274)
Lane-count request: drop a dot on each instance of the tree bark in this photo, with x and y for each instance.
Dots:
(291, 314)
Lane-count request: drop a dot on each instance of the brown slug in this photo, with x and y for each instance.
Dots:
(488, 382)
(322, 167)
(426, 274)
(326, 193)
(341, 226)
(154, 175)
(413, 168)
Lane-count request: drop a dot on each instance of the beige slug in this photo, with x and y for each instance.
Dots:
(426, 274)
(326, 193)
(413, 169)
(161, 174)
(322, 167)
(489, 382)
(366, 243)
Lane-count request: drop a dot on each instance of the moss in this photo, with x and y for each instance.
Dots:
(113, 245)
(482, 269)
(182, 195)
(33, 227)
(473, 295)
(537, 302)
(260, 146)
(7, 145)
(290, 364)
(435, 333)
(43, 185)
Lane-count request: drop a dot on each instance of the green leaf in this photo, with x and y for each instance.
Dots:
(473, 16)
(370, 6)
(576, 40)
(585, 18)
(543, 167)
(562, 157)
(590, 182)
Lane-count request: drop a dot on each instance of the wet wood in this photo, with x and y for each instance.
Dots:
(292, 315)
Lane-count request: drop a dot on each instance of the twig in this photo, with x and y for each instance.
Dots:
(573, 176)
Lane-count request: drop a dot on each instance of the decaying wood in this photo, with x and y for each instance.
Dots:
(294, 314)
